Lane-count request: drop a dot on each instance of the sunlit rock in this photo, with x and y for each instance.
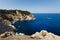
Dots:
(6, 34)
(44, 35)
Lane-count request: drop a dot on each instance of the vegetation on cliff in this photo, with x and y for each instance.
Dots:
(14, 12)
(13, 15)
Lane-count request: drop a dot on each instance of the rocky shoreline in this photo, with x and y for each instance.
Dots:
(43, 35)
(7, 16)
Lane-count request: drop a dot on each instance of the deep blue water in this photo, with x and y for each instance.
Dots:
(49, 22)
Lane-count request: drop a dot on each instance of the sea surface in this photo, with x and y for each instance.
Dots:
(49, 22)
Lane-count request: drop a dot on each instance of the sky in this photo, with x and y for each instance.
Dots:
(34, 6)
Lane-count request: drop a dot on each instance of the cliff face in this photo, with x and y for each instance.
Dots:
(15, 15)
(7, 16)
(5, 28)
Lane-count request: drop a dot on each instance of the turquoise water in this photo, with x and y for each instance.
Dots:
(49, 22)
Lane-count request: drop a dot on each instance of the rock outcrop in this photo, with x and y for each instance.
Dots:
(15, 15)
(7, 16)
(44, 35)
(6, 28)
(7, 34)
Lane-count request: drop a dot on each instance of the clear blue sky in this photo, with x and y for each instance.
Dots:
(34, 6)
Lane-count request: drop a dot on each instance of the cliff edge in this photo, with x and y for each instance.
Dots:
(43, 35)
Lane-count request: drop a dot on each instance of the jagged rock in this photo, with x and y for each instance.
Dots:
(6, 34)
(39, 35)
(7, 22)
(5, 28)
(44, 35)
(51, 36)
(36, 35)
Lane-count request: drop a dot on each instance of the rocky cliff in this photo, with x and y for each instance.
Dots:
(15, 15)
(6, 28)
(7, 16)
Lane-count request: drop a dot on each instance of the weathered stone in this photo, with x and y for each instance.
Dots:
(5, 28)
(44, 35)
(6, 34)
(36, 36)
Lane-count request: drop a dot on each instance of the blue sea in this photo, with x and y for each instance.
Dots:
(49, 22)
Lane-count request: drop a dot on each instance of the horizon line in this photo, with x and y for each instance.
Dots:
(46, 13)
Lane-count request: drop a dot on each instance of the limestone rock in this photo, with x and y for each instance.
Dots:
(44, 35)
(6, 34)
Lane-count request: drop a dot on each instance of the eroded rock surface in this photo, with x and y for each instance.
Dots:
(43, 35)
(5, 28)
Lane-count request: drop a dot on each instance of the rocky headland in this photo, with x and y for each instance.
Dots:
(14, 15)
(9, 16)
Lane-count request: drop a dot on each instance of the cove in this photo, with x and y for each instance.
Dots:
(49, 22)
